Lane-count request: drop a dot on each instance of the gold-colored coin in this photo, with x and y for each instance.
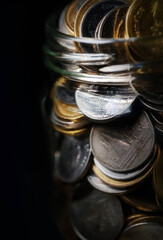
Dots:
(140, 218)
(124, 184)
(119, 22)
(67, 111)
(70, 16)
(158, 178)
(145, 19)
(75, 132)
(146, 201)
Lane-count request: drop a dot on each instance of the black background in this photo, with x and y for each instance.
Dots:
(27, 207)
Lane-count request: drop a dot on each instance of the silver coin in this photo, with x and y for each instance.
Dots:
(125, 145)
(143, 230)
(106, 26)
(74, 158)
(152, 106)
(127, 175)
(68, 124)
(93, 16)
(67, 43)
(66, 95)
(97, 216)
(101, 186)
(102, 107)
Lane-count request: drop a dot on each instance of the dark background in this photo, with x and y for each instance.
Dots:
(26, 192)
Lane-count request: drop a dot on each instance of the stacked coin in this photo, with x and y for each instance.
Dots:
(108, 115)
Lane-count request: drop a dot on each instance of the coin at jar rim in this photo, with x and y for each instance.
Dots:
(103, 187)
(158, 178)
(142, 197)
(125, 145)
(70, 16)
(143, 19)
(67, 111)
(88, 17)
(74, 158)
(114, 102)
(97, 216)
(128, 175)
(68, 125)
(143, 230)
(112, 22)
(149, 86)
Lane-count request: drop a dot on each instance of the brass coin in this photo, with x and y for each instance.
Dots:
(142, 197)
(124, 184)
(158, 178)
(70, 16)
(145, 19)
(77, 132)
(67, 111)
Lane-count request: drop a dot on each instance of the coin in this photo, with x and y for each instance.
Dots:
(63, 90)
(70, 16)
(144, 230)
(151, 106)
(70, 132)
(142, 197)
(74, 158)
(88, 17)
(158, 178)
(128, 175)
(122, 184)
(112, 23)
(143, 19)
(67, 111)
(97, 216)
(101, 186)
(68, 125)
(123, 146)
(105, 103)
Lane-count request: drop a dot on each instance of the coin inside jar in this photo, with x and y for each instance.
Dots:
(123, 146)
(101, 186)
(145, 19)
(97, 216)
(74, 158)
(144, 230)
(142, 197)
(89, 15)
(158, 179)
(105, 103)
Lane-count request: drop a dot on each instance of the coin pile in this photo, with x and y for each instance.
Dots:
(107, 117)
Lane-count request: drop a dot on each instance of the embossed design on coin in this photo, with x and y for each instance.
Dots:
(123, 146)
(106, 104)
(145, 19)
(97, 216)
